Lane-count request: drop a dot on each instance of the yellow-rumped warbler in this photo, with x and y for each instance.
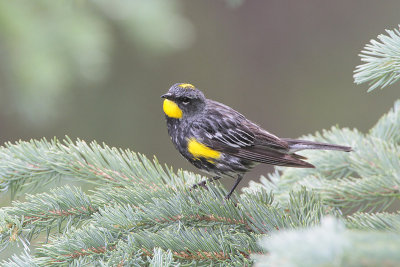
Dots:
(219, 140)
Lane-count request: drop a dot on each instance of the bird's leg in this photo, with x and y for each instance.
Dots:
(212, 179)
(238, 179)
(203, 183)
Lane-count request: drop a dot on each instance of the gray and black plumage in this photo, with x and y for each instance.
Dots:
(219, 140)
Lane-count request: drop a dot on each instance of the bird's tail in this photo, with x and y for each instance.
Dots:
(296, 145)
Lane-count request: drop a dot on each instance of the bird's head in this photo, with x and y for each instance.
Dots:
(183, 100)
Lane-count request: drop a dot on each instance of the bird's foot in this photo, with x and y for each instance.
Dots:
(202, 184)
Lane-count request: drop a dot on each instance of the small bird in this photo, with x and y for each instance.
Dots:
(222, 142)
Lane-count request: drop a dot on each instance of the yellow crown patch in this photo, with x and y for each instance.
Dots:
(187, 86)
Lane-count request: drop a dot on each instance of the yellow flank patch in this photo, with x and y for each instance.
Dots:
(187, 86)
(171, 109)
(198, 150)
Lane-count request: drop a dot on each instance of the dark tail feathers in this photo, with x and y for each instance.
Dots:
(296, 145)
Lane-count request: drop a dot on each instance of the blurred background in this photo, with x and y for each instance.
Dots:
(96, 69)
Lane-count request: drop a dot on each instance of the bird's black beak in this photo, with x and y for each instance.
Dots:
(167, 95)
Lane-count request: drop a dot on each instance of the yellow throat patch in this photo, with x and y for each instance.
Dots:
(171, 109)
(186, 86)
(198, 150)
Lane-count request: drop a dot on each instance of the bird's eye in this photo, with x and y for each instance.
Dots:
(185, 100)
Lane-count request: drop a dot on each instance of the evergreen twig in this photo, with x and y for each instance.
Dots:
(382, 67)
(144, 214)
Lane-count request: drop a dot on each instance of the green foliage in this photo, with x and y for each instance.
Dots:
(330, 244)
(141, 213)
(382, 67)
(137, 209)
(375, 221)
(49, 45)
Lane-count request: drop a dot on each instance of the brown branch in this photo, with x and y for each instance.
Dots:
(208, 218)
(200, 255)
(59, 213)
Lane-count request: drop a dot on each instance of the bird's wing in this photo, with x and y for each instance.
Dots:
(228, 131)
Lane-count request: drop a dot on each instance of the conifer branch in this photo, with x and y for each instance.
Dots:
(26, 165)
(375, 221)
(382, 67)
(138, 200)
(388, 127)
(374, 193)
(330, 244)
(61, 209)
(143, 213)
(23, 260)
